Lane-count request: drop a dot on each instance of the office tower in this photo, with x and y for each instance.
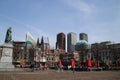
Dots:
(71, 41)
(60, 44)
(83, 36)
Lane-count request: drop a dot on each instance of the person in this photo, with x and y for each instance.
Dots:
(72, 62)
(59, 65)
(69, 67)
(32, 66)
(46, 66)
(40, 66)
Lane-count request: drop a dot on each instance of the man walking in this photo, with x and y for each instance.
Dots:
(59, 65)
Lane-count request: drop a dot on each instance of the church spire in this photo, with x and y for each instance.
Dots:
(42, 43)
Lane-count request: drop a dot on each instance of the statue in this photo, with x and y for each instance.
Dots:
(7, 53)
(8, 35)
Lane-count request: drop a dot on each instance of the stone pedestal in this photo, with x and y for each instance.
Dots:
(6, 59)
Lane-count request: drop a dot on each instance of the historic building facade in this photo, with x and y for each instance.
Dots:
(0, 52)
(65, 58)
(106, 53)
(19, 48)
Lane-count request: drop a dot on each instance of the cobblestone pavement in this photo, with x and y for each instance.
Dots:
(62, 75)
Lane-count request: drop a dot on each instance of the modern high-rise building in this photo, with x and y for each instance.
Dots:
(83, 36)
(71, 41)
(60, 44)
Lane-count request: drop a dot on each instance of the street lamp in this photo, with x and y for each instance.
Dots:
(22, 52)
(97, 48)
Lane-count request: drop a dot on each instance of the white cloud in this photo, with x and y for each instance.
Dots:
(79, 5)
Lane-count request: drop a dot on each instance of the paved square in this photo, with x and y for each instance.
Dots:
(65, 75)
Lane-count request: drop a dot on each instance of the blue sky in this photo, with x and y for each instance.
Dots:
(100, 19)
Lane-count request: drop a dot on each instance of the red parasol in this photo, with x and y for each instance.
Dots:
(88, 63)
(72, 63)
(118, 62)
(59, 63)
(95, 63)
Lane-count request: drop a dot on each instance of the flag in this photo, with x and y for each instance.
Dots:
(72, 63)
(95, 63)
(59, 63)
(118, 62)
(88, 62)
(30, 41)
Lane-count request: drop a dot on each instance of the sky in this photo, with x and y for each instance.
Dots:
(100, 19)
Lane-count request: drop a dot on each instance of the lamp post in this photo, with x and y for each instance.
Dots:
(97, 48)
(82, 47)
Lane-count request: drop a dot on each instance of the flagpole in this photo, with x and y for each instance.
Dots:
(27, 54)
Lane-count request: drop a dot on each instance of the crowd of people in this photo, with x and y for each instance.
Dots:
(58, 67)
(71, 66)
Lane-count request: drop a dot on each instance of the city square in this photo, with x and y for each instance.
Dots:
(59, 40)
(62, 75)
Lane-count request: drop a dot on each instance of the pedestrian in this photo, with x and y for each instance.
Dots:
(59, 65)
(32, 66)
(69, 67)
(40, 66)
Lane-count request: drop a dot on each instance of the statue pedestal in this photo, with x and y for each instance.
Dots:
(6, 59)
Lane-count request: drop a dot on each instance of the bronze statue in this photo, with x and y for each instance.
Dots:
(8, 35)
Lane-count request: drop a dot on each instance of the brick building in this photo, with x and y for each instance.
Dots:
(61, 41)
